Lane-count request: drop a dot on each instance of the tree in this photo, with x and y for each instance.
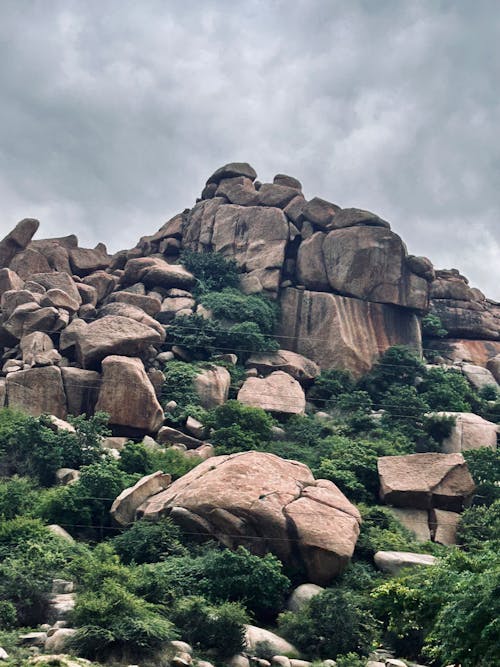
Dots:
(397, 366)
(147, 542)
(213, 271)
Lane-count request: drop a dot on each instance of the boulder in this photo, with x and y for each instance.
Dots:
(124, 507)
(344, 333)
(393, 562)
(320, 212)
(58, 280)
(37, 349)
(264, 503)
(289, 181)
(416, 521)
(301, 595)
(479, 376)
(255, 237)
(422, 481)
(14, 298)
(232, 170)
(111, 335)
(30, 317)
(28, 262)
(212, 386)
(198, 227)
(444, 526)
(87, 293)
(127, 394)
(149, 304)
(137, 314)
(61, 606)
(168, 435)
(172, 306)
(467, 319)
(156, 272)
(354, 217)
(85, 260)
(17, 240)
(59, 531)
(57, 642)
(56, 298)
(9, 280)
(493, 365)
(37, 391)
(276, 195)
(238, 190)
(255, 636)
(469, 432)
(102, 282)
(82, 388)
(301, 368)
(278, 392)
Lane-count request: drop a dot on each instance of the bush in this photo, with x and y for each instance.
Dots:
(432, 327)
(329, 386)
(232, 305)
(484, 466)
(208, 626)
(405, 410)
(146, 542)
(397, 366)
(136, 458)
(213, 272)
(8, 615)
(18, 496)
(333, 623)
(446, 390)
(112, 621)
(238, 427)
(479, 524)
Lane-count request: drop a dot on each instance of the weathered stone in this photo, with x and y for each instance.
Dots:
(66, 476)
(354, 217)
(301, 595)
(87, 293)
(81, 389)
(311, 269)
(289, 181)
(294, 209)
(60, 532)
(38, 350)
(422, 481)
(339, 332)
(28, 262)
(273, 194)
(393, 562)
(203, 452)
(299, 367)
(58, 280)
(103, 283)
(444, 526)
(199, 225)
(255, 636)
(60, 607)
(9, 280)
(470, 431)
(320, 212)
(58, 642)
(17, 240)
(417, 521)
(278, 392)
(153, 271)
(59, 299)
(212, 386)
(150, 305)
(255, 237)
(478, 376)
(467, 318)
(14, 298)
(37, 391)
(125, 505)
(118, 309)
(172, 306)
(265, 503)
(232, 170)
(477, 352)
(114, 442)
(422, 267)
(195, 428)
(112, 335)
(30, 317)
(127, 394)
(169, 435)
(85, 260)
(238, 190)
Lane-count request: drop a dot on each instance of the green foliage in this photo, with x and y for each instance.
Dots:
(446, 390)
(18, 496)
(179, 387)
(329, 386)
(147, 542)
(209, 626)
(397, 366)
(237, 427)
(30, 446)
(136, 458)
(432, 327)
(404, 411)
(352, 465)
(333, 623)
(8, 615)
(350, 660)
(213, 272)
(488, 393)
(239, 576)
(484, 466)
(233, 305)
(479, 524)
(112, 621)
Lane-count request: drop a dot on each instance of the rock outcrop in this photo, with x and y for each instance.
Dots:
(264, 503)
(278, 392)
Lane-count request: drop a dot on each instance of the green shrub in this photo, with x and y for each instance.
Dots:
(208, 626)
(381, 531)
(488, 393)
(479, 524)
(333, 623)
(237, 427)
(165, 582)
(112, 621)
(432, 327)
(446, 390)
(405, 410)
(8, 615)
(147, 542)
(484, 466)
(179, 383)
(232, 305)
(18, 496)
(213, 271)
(397, 366)
(329, 386)
(136, 458)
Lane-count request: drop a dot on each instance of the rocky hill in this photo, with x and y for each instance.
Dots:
(272, 375)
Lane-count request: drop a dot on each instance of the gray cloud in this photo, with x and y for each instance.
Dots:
(114, 114)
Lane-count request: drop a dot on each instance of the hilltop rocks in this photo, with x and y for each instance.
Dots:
(127, 394)
(212, 386)
(339, 332)
(125, 505)
(17, 240)
(422, 481)
(38, 350)
(232, 170)
(9, 280)
(156, 272)
(37, 391)
(85, 261)
(264, 503)
(278, 392)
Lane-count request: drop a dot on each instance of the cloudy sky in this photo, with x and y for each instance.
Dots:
(114, 112)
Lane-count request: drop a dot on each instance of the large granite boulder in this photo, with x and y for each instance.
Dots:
(119, 309)
(299, 367)
(198, 227)
(9, 280)
(364, 262)
(422, 481)
(38, 349)
(125, 505)
(82, 389)
(37, 391)
(470, 431)
(127, 395)
(17, 240)
(340, 332)
(111, 335)
(393, 562)
(278, 392)
(232, 170)
(256, 238)
(264, 503)
(156, 272)
(86, 260)
(212, 386)
(478, 376)
(58, 280)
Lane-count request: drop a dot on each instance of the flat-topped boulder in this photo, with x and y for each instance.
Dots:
(156, 272)
(278, 392)
(232, 170)
(264, 503)
(422, 481)
(299, 367)
(87, 260)
(111, 335)
(37, 391)
(393, 562)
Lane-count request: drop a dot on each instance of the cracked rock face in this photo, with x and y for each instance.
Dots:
(266, 504)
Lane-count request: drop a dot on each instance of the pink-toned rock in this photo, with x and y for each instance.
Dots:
(299, 367)
(17, 240)
(320, 212)
(9, 280)
(28, 262)
(212, 386)
(155, 272)
(238, 190)
(265, 503)
(82, 388)
(37, 391)
(125, 505)
(103, 283)
(38, 350)
(232, 170)
(59, 299)
(278, 392)
(470, 431)
(58, 280)
(149, 304)
(128, 396)
(422, 481)
(85, 260)
(444, 526)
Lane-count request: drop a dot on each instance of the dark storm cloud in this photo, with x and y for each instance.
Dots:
(114, 113)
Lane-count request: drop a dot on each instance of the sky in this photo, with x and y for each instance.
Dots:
(113, 113)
